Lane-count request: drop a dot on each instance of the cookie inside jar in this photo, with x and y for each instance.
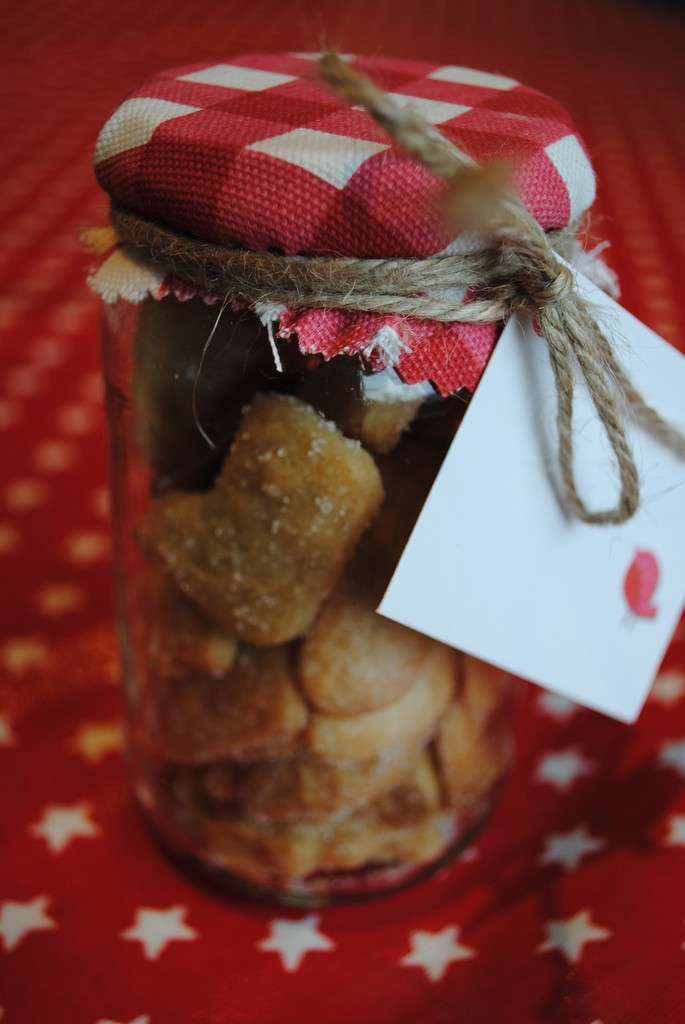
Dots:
(289, 738)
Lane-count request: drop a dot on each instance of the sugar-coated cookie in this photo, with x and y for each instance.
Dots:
(305, 787)
(353, 660)
(178, 637)
(253, 712)
(410, 720)
(411, 800)
(269, 852)
(262, 550)
(383, 423)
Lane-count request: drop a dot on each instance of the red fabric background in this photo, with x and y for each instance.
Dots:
(619, 70)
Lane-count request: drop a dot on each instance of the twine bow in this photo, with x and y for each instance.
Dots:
(523, 275)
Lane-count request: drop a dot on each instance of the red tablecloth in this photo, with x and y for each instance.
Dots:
(571, 907)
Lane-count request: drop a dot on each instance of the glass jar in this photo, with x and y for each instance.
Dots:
(284, 738)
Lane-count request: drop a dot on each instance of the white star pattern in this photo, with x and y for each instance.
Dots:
(23, 381)
(75, 419)
(141, 1019)
(24, 495)
(86, 546)
(672, 755)
(292, 940)
(22, 654)
(433, 952)
(96, 740)
(568, 848)
(9, 414)
(100, 502)
(58, 598)
(561, 768)
(68, 317)
(9, 538)
(557, 707)
(668, 688)
(61, 823)
(7, 737)
(17, 920)
(676, 830)
(570, 935)
(154, 929)
(54, 456)
(47, 353)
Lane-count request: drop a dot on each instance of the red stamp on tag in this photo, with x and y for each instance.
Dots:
(640, 583)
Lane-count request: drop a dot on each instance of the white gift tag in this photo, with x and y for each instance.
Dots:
(497, 569)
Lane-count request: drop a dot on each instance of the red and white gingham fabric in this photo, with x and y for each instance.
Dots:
(257, 152)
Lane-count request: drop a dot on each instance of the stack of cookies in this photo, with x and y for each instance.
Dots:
(295, 732)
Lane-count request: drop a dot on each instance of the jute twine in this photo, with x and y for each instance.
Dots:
(518, 272)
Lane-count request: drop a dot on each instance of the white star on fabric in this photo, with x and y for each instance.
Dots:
(25, 495)
(562, 768)
(672, 755)
(95, 740)
(9, 414)
(17, 920)
(59, 598)
(292, 940)
(143, 1018)
(47, 354)
(54, 456)
(7, 737)
(668, 688)
(433, 952)
(86, 546)
(100, 502)
(569, 936)
(569, 848)
(62, 823)
(75, 419)
(154, 929)
(555, 706)
(676, 830)
(23, 654)
(10, 538)
(22, 382)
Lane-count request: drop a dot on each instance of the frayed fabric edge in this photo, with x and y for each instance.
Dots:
(123, 275)
(415, 348)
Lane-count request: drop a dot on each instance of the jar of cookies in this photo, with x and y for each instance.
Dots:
(283, 733)
(278, 414)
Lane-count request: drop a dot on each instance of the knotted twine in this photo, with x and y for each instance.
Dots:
(517, 273)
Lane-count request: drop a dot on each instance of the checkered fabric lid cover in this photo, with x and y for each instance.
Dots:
(257, 152)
